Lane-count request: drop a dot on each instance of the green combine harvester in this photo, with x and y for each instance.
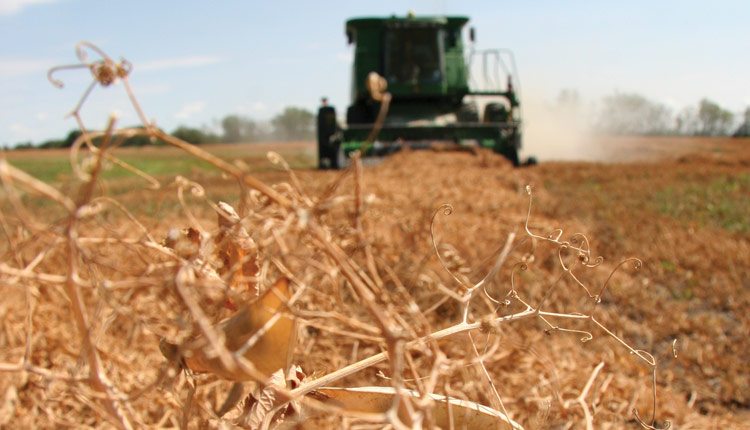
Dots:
(414, 85)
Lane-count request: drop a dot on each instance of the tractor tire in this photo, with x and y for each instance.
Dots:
(324, 161)
(511, 154)
(326, 128)
(495, 112)
(338, 160)
(468, 112)
(510, 147)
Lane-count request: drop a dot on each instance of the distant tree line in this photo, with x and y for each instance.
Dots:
(634, 114)
(292, 123)
(73, 135)
(617, 114)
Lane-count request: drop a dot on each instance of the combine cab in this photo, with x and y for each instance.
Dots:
(436, 93)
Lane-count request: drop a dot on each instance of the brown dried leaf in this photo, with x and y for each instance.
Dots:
(466, 414)
(272, 347)
(236, 250)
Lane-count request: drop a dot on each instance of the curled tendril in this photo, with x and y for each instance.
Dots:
(582, 241)
(528, 216)
(447, 209)
(504, 302)
(667, 423)
(637, 264)
(105, 71)
(57, 82)
(597, 261)
(587, 336)
(555, 235)
(520, 267)
(81, 52)
(196, 190)
(276, 159)
(578, 242)
(645, 356)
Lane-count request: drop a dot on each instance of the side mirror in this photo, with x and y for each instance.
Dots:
(472, 34)
(349, 37)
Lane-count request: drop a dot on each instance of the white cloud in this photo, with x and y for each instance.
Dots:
(42, 116)
(190, 109)
(178, 63)
(15, 67)
(9, 7)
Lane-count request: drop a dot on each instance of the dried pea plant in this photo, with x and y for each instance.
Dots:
(238, 301)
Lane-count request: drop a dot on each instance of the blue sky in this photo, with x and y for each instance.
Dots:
(197, 61)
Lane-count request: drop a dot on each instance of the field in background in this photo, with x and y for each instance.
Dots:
(678, 204)
(53, 165)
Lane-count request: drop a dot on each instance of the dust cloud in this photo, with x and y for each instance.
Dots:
(559, 130)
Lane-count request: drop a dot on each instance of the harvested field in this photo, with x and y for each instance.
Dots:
(679, 205)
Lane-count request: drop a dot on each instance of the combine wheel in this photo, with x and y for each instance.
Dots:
(468, 112)
(495, 112)
(339, 160)
(508, 148)
(327, 127)
(327, 156)
(511, 153)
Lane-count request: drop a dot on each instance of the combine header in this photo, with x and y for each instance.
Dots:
(414, 85)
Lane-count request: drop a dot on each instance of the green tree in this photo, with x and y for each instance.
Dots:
(686, 122)
(21, 145)
(231, 125)
(239, 129)
(195, 136)
(713, 119)
(293, 124)
(71, 138)
(62, 143)
(50, 144)
(744, 129)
